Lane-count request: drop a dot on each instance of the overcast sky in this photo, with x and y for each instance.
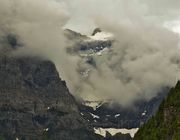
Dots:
(156, 11)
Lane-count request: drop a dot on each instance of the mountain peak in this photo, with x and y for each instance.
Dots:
(96, 30)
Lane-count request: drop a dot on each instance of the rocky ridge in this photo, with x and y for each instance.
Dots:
(35, 103)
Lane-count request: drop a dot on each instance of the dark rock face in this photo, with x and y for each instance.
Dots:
(72, 35)
(36, 104)
(112, 115)
(80, 43)
(97, 30)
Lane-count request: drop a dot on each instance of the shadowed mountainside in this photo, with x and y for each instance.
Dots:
(35, 103)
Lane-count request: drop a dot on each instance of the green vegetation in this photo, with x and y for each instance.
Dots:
(165, 124)
(2, 137)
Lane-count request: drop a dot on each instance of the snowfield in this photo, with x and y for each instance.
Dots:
(114, 131)
(93, 104)
(103, 36)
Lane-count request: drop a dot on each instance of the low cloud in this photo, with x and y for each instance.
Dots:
(145, 56)
(143, 59)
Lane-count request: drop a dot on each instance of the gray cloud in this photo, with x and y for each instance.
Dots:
(144, 58)
(138, 66)
(38, 25)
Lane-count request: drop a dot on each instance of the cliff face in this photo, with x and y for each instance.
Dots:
(120, 117)
(165, 125)
(36, 104)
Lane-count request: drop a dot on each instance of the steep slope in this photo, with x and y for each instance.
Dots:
(111, 115)
(35, 104)
(165, 125)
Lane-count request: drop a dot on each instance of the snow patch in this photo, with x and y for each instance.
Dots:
(114, 131)
(117, 115)
(47, 129)
(144, 113)
(93, 104)
(103, 36)
(95, 116)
